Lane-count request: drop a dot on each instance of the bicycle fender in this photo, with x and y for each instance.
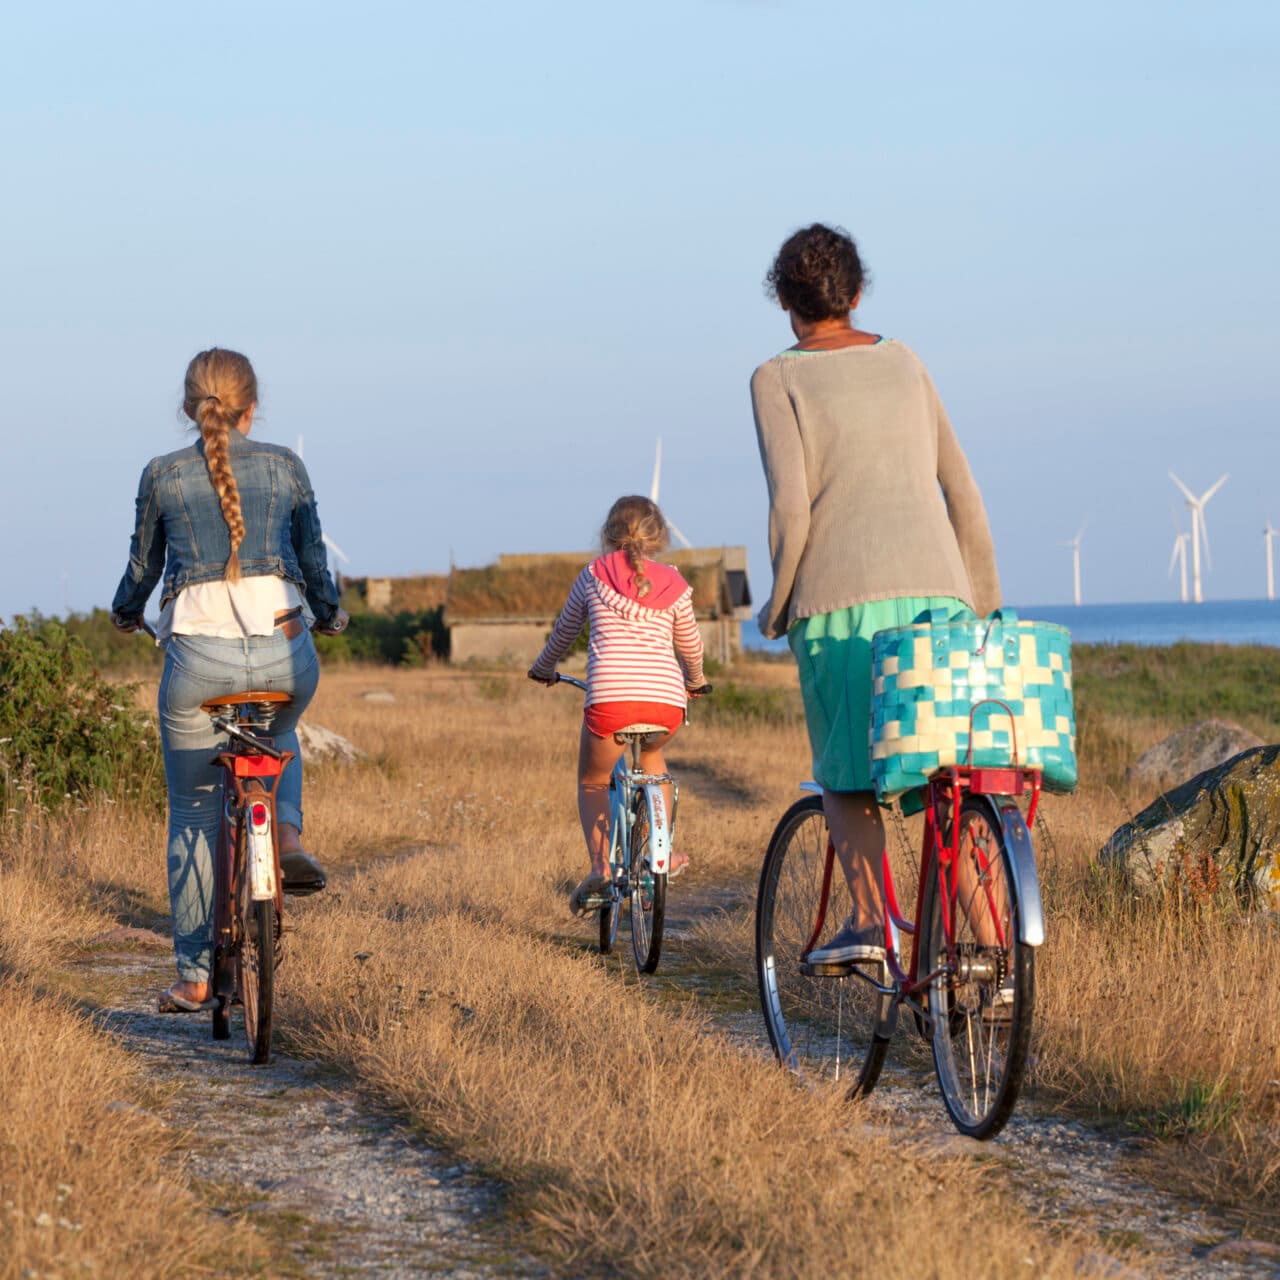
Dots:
(1022, 859)
(659, 830)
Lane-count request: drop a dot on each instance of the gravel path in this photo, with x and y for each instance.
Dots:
(345, 1187)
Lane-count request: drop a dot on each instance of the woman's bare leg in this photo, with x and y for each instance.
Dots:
(857, 831)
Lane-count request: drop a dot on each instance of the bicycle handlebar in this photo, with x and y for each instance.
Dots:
(700, 692)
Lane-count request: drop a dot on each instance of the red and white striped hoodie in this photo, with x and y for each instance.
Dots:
(633, 643)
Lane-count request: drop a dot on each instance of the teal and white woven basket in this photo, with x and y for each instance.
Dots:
(932, 676)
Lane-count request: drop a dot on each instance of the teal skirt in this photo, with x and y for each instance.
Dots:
(833, 651)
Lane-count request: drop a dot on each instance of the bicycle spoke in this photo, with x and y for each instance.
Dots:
(825, 1027)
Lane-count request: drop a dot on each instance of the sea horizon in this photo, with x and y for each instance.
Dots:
(1149, 623)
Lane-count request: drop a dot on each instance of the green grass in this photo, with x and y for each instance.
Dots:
(1184, 682)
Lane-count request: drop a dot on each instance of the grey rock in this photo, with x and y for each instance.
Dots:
(378, 695)
(324, 744)
(1222, 827)
(1191, 751)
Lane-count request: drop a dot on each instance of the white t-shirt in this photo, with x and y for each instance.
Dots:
(229, 610)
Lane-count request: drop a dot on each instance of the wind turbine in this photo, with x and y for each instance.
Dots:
(1268, 533)
(328, 541)
(1180, 557)
(1199, 531)
(653, 496)
(1074, 544)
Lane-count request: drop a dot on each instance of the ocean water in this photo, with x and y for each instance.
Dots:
(1214, 622)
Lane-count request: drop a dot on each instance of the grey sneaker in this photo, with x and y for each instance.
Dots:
(850, 945)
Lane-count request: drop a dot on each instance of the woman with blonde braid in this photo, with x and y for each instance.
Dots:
(231, 524)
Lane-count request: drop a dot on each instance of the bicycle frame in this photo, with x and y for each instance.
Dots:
(251, 778)
(622, 787)
(997, 787)
(623, 783)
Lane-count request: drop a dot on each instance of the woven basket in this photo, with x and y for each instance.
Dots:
(946, 671)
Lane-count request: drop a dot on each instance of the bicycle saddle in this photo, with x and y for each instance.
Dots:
(641, 731)
(241, 699)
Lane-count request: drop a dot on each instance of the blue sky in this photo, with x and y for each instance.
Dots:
(483, 256)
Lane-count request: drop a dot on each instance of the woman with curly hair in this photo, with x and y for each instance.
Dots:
(874, 518)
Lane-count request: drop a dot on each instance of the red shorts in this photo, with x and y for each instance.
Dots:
(604, 719)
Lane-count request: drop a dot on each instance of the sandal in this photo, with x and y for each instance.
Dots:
(679, 861)
(171, 1002)
(594, 886)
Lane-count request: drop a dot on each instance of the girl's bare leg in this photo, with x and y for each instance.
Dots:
(857, 831)
(596, 758)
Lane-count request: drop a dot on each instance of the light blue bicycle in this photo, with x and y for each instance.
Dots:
(640, 833)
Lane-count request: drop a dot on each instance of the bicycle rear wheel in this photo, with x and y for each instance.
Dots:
(648, 900)
(982, 1007)
(831, 1028)
(255, 968)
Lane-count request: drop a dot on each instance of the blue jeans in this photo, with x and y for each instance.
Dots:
(197, 668)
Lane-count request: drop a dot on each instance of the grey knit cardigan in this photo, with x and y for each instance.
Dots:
(870, 495)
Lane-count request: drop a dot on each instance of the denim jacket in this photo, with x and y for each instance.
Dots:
(181, 533)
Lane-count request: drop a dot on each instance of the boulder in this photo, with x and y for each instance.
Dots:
(323, 744)
(1221, 830)
(1190, 751)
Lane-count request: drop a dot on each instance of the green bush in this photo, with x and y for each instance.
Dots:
(109, 649)
(735, 704)
(65, 732)
(402, 638)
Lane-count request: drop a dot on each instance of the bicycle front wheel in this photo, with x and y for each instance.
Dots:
(648, 900)
(255, 968)
(981, 1002)
(826, 1027)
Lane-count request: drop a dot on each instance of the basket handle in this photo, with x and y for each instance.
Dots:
(1013, 728)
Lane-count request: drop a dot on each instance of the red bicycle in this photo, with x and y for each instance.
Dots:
(970, 977)
(248, 888)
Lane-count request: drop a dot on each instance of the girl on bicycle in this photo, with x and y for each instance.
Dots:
(874, 518)
(231, 524)
(641, 617)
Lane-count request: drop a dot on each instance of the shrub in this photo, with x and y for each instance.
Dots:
(109, 649)
(401, 638)
(65, 731)
(734, 704)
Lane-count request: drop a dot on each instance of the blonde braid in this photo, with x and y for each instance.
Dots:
(220, 389)
(218, 460)
(635, 558)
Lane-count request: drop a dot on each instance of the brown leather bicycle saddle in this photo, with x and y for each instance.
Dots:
(240, 699)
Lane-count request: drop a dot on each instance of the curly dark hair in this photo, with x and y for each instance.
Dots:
(817, 273)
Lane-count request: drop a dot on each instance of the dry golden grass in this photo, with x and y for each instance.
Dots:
(635, 1136)
(87, 1178)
